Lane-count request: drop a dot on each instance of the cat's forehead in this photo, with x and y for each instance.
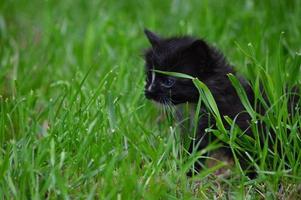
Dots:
(167, 52)
(173, 45)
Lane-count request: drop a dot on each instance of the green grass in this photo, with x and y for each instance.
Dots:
(74, 123)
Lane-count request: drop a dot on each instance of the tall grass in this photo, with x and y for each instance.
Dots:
(74, 122)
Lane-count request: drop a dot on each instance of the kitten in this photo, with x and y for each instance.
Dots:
(197, 58)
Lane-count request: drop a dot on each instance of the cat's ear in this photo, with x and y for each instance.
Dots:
(201, 52)
(201, 48)
(153, 38)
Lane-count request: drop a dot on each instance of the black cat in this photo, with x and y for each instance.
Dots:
(197, 58)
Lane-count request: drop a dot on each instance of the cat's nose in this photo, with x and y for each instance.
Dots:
(149, 94)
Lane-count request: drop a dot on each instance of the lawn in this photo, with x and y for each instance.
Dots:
(74, 122)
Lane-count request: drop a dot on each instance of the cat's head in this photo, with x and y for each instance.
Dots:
(186, 55)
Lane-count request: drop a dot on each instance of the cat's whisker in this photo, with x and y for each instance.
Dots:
(161, 107)
(164, 105)
(169, 107)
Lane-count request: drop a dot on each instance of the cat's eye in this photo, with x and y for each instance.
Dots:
(168, 83)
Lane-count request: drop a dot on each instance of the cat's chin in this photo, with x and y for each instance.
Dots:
(168, 102)
(163, 100)
(160, 102)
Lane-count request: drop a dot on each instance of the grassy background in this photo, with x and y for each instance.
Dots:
(74, 122)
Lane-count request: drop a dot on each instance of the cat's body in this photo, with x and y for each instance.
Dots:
(194, 57)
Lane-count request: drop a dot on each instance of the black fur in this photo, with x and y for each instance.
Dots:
(197, 58)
